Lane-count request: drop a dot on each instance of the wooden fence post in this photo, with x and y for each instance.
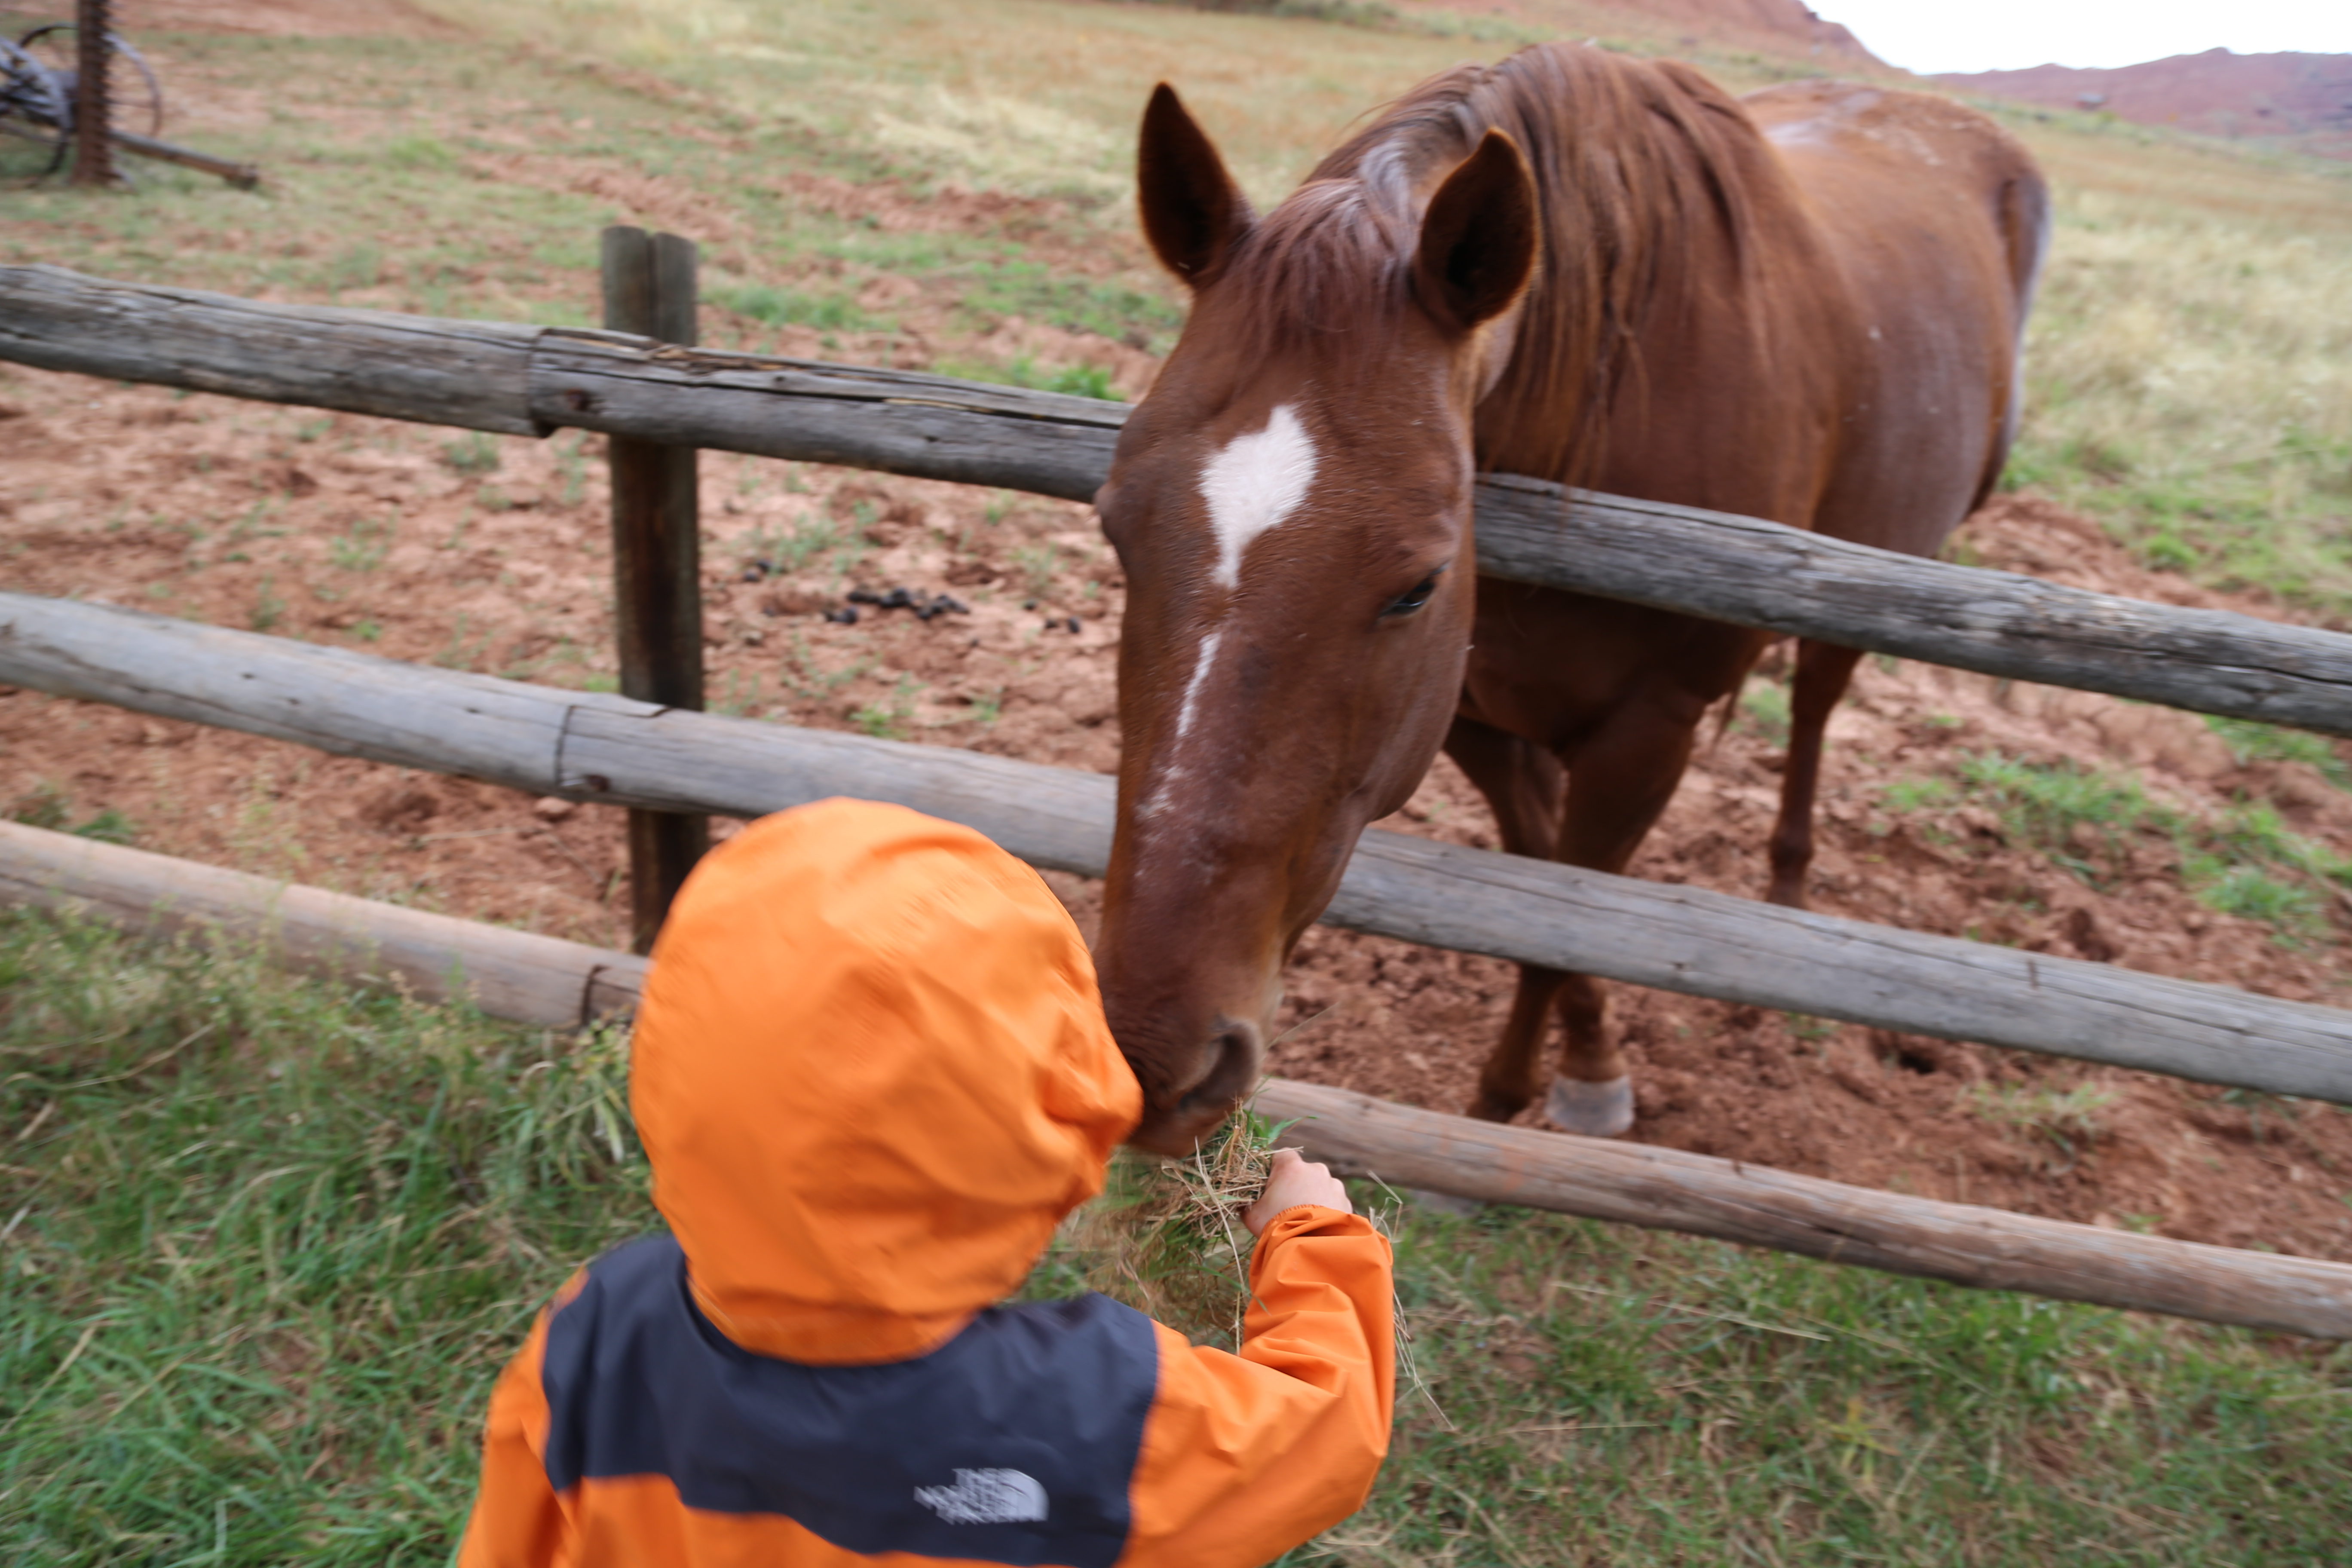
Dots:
(649, 290)
(93, 161)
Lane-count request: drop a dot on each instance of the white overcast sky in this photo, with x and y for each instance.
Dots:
(1931, 36)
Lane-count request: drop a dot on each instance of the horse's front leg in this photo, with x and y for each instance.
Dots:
(1622, 777)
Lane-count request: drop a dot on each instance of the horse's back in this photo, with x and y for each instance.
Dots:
(1937, 218)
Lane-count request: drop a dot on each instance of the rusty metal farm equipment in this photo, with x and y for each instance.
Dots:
(79, 88)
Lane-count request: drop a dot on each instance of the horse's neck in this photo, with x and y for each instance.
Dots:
(1644, 295)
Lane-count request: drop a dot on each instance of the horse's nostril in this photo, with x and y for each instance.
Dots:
(1233, 1067)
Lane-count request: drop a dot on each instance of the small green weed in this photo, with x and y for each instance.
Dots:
(809, 679)
(269, 605)
(743, 698)
(889, 719)
(466, 648)
(1765, 705)
(2067, 1120)
(1035, 566)
(791, 549)
(363, 547)
(572, 467)
(472, 455)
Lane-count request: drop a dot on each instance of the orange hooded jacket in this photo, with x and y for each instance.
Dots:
(871, 1073)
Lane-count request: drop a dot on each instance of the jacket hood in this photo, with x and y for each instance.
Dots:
(871, 1071)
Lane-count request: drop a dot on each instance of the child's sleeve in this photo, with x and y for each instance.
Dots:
(517, 1521)
(1246, 1456)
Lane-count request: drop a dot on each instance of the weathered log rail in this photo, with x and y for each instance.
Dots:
(617, 751)
(542, 981)
(521, 380)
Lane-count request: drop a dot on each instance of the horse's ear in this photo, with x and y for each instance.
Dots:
(1479, 241)
(1193, 211)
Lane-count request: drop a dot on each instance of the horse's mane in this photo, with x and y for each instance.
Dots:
(1632, 159)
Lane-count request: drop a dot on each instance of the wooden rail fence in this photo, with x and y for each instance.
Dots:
(618, 751)
(543, 980)
(612, 750)
(526, 381)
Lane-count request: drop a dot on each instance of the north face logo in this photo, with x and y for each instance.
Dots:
(986, 1496)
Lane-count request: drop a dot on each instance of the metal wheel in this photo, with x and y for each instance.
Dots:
(32, 106)
(134, 95)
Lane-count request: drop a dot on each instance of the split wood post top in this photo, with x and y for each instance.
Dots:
(649, 290)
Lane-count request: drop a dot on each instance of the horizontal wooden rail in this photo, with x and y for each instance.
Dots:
(523, 380)
(598, 747)
(1666, 1189)
(542, 981)
(512, 974)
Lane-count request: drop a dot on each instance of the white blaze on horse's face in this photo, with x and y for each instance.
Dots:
(1252, 483)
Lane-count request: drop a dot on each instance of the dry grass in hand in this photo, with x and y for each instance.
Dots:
(1166, 1236)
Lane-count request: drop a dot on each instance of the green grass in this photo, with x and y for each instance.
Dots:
(779, 307)
(1078, 380)
(2250, 741)
(2187, 373)
(269, 1241)
(2242, 860)
(49, 805)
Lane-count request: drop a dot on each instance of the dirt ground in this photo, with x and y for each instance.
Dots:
(491, 554)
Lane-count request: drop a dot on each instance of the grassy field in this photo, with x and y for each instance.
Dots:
(263, 1245)
(266, 1243)
(2191, 372)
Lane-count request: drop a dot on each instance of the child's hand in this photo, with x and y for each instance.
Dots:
(1293, 1181)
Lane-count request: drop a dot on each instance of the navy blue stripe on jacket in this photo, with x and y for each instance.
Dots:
(1014, 1442)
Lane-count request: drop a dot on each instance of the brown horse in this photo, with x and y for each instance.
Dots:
(1805, 305)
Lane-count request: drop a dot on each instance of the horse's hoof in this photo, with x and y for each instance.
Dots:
(1594, 1110)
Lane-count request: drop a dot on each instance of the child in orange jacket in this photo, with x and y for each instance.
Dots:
(871, 1073)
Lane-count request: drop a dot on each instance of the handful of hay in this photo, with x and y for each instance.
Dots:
(1166, 1235)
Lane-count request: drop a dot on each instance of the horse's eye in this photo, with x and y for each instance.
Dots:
(1412, 598)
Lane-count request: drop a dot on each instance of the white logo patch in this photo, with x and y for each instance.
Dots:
(1253, 483)
(986, 1496)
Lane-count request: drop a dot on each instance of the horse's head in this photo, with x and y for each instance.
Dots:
(1292, 506)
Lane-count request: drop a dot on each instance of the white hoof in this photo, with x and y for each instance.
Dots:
(1594, 1110)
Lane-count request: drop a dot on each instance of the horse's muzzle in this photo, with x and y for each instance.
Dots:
(1231, 1058)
